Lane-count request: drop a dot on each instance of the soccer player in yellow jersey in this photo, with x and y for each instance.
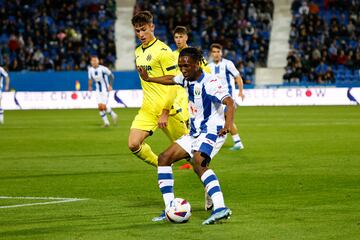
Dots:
(159, 61)
(180, 39)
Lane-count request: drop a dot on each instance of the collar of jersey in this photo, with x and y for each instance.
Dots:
(200, 78)
(217, 64)
(150, 44)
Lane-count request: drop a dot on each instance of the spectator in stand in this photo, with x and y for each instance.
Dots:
(342, 58)
(313, 8)
(329, 76)
(321, 70)
(304, 9)
(293, 68)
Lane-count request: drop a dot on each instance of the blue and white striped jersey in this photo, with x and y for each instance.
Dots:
(3, 75)
(205, 103)
(225, 70)
(100, 76)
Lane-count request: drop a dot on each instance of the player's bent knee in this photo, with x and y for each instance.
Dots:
(199, 170)
(164, 159)
(133, 146)
(102, 107)
(201, 165)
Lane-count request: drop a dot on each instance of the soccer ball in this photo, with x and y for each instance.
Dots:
(178, 211)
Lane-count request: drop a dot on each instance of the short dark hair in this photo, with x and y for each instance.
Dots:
(180, 30)
(216, 45)
(192, 52)
(141, 18)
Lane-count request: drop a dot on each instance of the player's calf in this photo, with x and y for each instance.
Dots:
(164, 159)
(201, 162)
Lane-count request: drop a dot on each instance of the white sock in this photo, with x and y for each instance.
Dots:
(110, 112)
(1, 115)
(166, 183)
(104, 117)
(236, 138)
(212, 187)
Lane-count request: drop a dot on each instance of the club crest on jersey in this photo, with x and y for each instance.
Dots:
(148, 58)
(197, 92)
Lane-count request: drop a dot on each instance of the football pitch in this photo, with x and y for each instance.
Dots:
(64, 177)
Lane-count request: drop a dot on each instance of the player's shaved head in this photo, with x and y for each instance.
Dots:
(142, 18)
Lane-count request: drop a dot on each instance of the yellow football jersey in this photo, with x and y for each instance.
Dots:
(158, 60)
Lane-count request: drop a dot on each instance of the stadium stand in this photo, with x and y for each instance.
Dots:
(48, 35)
(242, 27)
(324, 42)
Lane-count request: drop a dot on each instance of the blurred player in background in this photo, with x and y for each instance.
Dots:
(208, 129)
(3, 75)
(159, 107)
(226, 70)
(100, 75)
(180, 38)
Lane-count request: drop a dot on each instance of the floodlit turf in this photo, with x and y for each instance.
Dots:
(298, 177)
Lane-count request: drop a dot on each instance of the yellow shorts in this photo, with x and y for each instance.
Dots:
(147, 121)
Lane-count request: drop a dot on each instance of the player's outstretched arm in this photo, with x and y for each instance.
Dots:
(229, 116)
(165, 80)
(111, 83)
(7, 84)
(90, 84)
(240, 84)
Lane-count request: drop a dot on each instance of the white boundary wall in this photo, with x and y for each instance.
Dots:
(133, 98)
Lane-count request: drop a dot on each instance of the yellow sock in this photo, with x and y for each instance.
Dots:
(148, 156)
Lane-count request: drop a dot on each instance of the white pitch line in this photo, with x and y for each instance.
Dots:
(58, 200)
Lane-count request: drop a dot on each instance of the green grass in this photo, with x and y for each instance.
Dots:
(298, 177)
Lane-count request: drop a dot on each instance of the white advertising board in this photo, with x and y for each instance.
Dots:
(301, 96)
(133, 98)
(68, 99)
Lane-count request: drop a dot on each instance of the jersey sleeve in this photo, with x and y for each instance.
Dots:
(179, 80)
(167, 61)
(232, 69)
(89, 74)
(3, 72)
(170, 97)
(217, 90)
(107, 71)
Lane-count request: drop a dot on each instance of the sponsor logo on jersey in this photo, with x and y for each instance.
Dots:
(146, 67)
(197, 92)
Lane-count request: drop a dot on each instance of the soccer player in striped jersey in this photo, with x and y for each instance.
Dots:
(3, 75)
(208, 129)
(180, 39)
(160, 108)
(100, 75)
(226, 70)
